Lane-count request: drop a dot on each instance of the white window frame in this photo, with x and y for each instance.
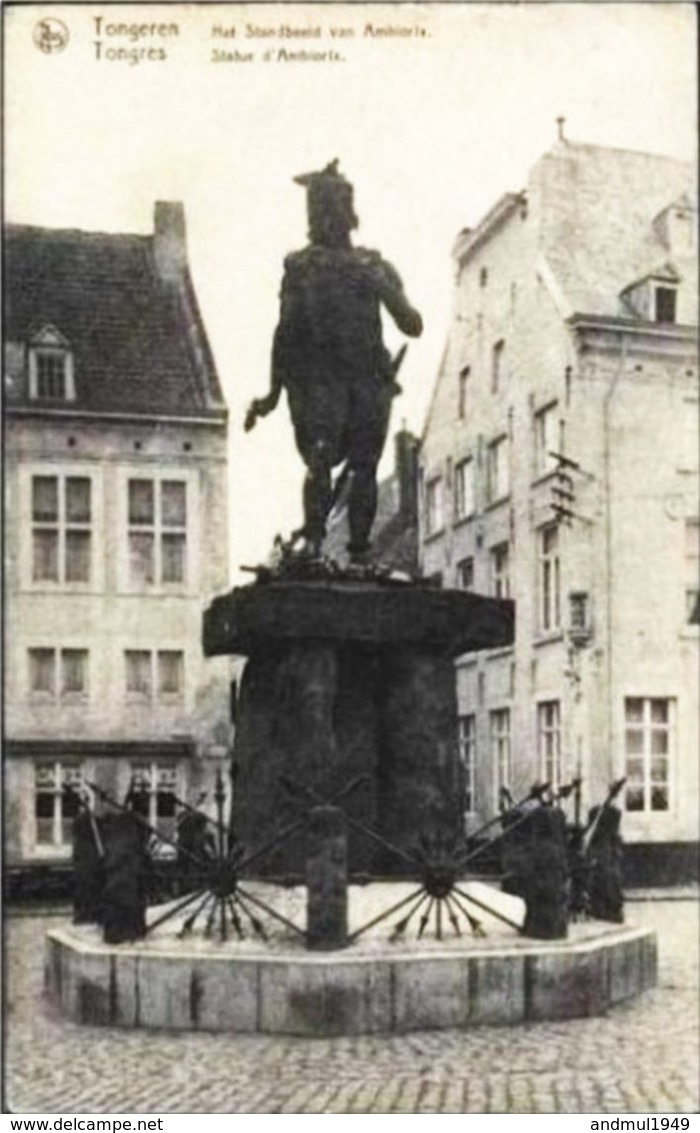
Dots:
(498, 469)
(466, 738)
(547, 438)
(33, 692)
(464, 489)
(132, 692)
(648, 728)
(60, 845)
(549, 735)
(548, 580)
(153, 772)
(434, 505)
(158, 530)
(126, 583)
(62, 526)
(155, 692)
(58, 663)
(499, 561)
(501, 753)
(167, 694)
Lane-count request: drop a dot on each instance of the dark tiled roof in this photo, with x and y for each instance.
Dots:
(138, 344)
(599, 207)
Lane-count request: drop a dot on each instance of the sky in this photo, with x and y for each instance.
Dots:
(432, 127)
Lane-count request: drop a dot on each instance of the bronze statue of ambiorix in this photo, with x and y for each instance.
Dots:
(329, 356)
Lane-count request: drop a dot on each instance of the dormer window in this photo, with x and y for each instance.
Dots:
(664, 304)
(654, 297)
(50, 367)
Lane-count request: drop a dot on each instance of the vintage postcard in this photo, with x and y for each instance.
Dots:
(351, 559)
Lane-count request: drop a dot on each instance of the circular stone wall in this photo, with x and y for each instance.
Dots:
(382, 988)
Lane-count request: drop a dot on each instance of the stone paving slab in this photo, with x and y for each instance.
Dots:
(642, 1057)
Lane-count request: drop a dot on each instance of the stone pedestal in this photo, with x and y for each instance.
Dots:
(348, 678)
(326, 880)
(418, 773)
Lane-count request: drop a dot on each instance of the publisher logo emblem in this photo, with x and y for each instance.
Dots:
(50, 35)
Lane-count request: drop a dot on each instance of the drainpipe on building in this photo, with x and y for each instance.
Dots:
(607, 402)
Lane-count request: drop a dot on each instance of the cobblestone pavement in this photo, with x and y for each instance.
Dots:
(642, 1057)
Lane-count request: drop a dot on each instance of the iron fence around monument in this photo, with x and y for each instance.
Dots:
(210, 882)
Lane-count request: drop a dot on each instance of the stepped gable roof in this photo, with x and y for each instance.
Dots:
(598, 207)
(138, 342)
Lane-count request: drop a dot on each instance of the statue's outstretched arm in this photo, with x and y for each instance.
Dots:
(393, 297)
(261, 406)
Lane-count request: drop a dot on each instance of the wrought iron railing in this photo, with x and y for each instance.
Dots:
(214, 866)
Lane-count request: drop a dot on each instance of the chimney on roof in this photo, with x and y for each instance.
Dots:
(170, 240)
(560, 128)
(406, 472)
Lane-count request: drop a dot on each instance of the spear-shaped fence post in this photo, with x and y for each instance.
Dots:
(577, 798)
(219, 799)
(535, 793)
(612, 794)
(88, 862)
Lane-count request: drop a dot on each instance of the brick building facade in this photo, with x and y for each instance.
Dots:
(116, 520)
(574, 333)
